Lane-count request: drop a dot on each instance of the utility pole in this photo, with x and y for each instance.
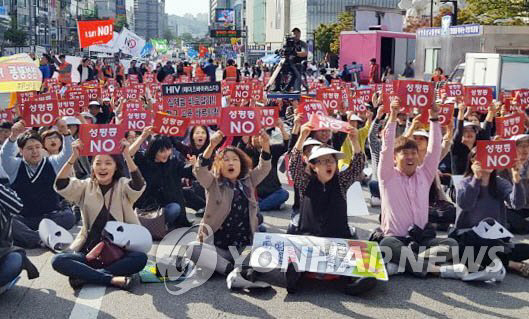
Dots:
(454, 3)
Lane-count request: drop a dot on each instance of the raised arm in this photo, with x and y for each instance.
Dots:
(58, 161)
(386, 168)
(433, 153)
(201, 168)
(134, 147)
(8, 153)
(259, 173)
(356, 167)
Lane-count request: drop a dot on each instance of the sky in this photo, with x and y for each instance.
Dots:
(181, 7)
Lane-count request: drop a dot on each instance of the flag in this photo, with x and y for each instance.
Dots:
(109, 47)
(130, 43)
(93, 32)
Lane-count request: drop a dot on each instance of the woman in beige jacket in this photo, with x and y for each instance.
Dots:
(230, 217)
(105, 196)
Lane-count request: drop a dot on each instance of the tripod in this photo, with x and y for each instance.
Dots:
(285, 81)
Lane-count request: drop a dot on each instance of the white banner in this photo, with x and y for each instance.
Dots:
(109, 47)
(130, 43)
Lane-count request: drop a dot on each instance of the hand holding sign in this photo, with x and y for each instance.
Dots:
(496, 154)
(216, 138)
(101, 139)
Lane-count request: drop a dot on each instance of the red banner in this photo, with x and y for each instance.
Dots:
(478, 97)
(446, 113)
(320, 122)
(101, 139)
(68, 107)
(92, 32)
(37, 114)
(522, 97)
(269, 118)
(496, 154)
(358, 99)
(415, 94)
(332, 98)
(453, 89)
(310, 107)
(510, 125)
(240, 121)
(137, 120)
(166, 124)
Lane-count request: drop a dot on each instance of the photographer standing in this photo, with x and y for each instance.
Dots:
(295, 59)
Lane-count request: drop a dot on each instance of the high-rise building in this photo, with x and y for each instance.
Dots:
(217, 4)
(277, 22)
(256, 21)
(149, 16)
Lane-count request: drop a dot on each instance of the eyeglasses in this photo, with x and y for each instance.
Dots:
(326, 161)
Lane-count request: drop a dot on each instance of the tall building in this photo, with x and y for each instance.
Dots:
(149, 18)
(217, 4)
(256, 21)
(106, 8)
(277, 22)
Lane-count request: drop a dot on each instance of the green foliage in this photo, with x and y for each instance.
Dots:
(16, 37)
(345, 23)
(327, 36)
(495, 12)
(120, 22)
(323, 37)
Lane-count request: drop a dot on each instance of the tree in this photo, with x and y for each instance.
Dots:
(345, 23)
(16, 37)
(187, 37)
(323, 37)
(495, 12)
(168, 35)
(120, 22)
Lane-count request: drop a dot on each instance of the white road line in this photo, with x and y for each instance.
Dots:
(88, 302)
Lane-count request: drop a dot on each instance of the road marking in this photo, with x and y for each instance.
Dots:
(88, 302)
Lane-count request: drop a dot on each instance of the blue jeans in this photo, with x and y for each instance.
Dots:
(75, 265)
(274, 200)
(10, 267)
(172, 212)
(374, 189)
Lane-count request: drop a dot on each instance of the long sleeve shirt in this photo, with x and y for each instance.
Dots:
(477, 203)
(9, 200)
(11, 163)
(375, 144)
(347, 146)
(405, 198)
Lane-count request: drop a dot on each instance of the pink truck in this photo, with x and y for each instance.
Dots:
(392, 49)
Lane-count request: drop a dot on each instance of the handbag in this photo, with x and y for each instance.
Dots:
(154, 220)
(104, 253)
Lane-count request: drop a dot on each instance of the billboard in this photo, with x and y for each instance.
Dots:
(225, 17)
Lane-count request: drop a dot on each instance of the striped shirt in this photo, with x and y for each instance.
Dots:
(9, 200)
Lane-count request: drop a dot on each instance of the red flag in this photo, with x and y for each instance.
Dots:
(92, 32)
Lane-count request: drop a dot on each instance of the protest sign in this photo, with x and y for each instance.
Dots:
(522, 97)
(453, 90)
(240, 121)
(68, 107)
(321, 122)
(19, 73)
(269, 117)
(166, 124)
(496, 154)
(93, 32)
(415, 94)
(479, 98)
(101, 139)
(446, 113)
(137, 120)
(331, 98)
(309, 107)
(37, 114)
(357, 100)
(510, 125)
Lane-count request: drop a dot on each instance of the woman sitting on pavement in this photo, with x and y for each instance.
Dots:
(323, 209)
(106, 196)
(230, 218)
(482, 196)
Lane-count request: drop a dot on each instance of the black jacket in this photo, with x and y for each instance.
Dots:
(91, 73)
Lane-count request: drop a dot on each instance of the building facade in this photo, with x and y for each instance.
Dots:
(149, 18)
(256, 21)
(277, 22)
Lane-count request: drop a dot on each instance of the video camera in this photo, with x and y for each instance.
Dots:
(289, 48)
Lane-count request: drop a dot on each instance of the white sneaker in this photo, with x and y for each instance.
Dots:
(236, 280)
(375, 201)
(495, 272)
(392, 269)
(457, 271)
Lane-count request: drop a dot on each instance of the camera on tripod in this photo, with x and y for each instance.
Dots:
(289, 48)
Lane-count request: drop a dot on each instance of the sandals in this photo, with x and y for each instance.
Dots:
(126, 285)
(524, 270)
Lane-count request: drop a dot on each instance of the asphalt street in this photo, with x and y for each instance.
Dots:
(50, 296)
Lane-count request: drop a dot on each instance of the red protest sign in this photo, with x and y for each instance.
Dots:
(358, 99)
(310, 107)
(44, 97)
(148, 78)
(387, 98)
(269, 117)
(320, 122)
(128, 93)
(100, 139)
(496, 154)
(94, 93)
(133, 105)
(478, 98)
(23, 97)
(92, 32)
(331, 98)
(133, 78)
(415, 94)
(240, 91)
(240, 121)
(37, 114)
(137, 120)
(522, 97)
(510, 125)
(453, 89)
(68, 107)
(336, 83)
(257, 91)
(6, 115)
(166, 124)
(446, 113)
(200, 102)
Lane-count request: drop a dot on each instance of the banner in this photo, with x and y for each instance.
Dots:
(453, 90)
(92, 32)
(510, 125)
(109, 47)
(100, 139)
(19, 73)
(320, 122)
(166, 124)
(336, 256)
(201, 102)
(37, 114)
(269, 117)
(331, 97)
(310, 107)
(446, 113)
(137, 120)
(496, 154)
(130, 43)
(160, 45)
(478, 97)
(240, 121)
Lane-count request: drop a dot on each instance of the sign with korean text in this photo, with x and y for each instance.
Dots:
(310, 107)
(496, 154)
(101, 139)
(68, 107)
(453, 90)
(270, 116)
(415, 94)
(19, 73)
(166, 124)
(331, 98)
(358, 99)
(446, 113)
(137, 120)
(240, 121)
(132, 105)
(320, 122)
(510, 125)
(94, 32)
(479, 98)
(37, 114)
(522, 97)
(240, 91)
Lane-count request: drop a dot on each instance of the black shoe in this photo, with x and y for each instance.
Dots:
(76, 283)
(292, 277)
(200, 213)
(359, 286)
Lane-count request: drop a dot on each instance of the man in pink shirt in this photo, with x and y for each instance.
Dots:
(404, 190)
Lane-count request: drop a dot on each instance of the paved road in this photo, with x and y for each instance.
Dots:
(402, 297)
